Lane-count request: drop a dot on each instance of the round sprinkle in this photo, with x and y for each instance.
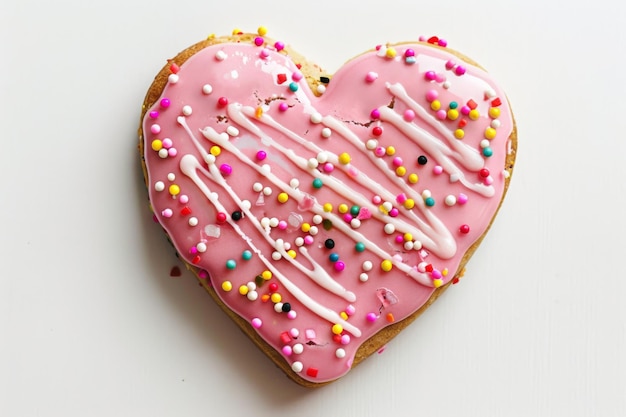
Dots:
(437, 169)
(409, 115)
(389, 228)
(340, 353)
(222, 101)
(159, 186)
(337, 328)
(193, 221)
(326, 132)
(359, 247)
(375, 114)
(283, 197)
(339, 266)
(363, 277)
(256, 322)
(279, 45)
(344, 158)
(429, 201)
(333, 257)
(487, 152)
(231, 264)
(465, 229)
(167, 213)
(165, 103)
(386, 265)
(413, 178)
(236, 215)
(297, 367)
(371, 76)
(490, 133)
(316, 118)
(422, 160)
(227, 286)
(329, 243)
(207, 89)
(246, 255)
(293, 87)
(377, 131)
(462, 199)
(226, 169)
(450, 200)
(317, 183)
(174, 189)
(220, 55)
(367, 266)
(371, 317)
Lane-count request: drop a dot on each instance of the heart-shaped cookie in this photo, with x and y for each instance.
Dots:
(324, 215)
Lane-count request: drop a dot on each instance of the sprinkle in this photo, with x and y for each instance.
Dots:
(259, 41)
(279, 46)
(261, 155)
(174, 189)
(490, 133)
(363, 277)
(465, 229)
(232, 131)
(326, 132)
(459, 133)
(474, 114)
(207, 89)
(409, 115)
(359, 247)
(156, 129)
(316, 118)
(293, 86)
(344, 158)
(264, 53)
(459, 70)
(390, 53)
(283, 197)
(246, 255)
(386, 265)
(317, 183)
(367, 266)
(283, 106)
(193, 221)
(413, 178)
(339, 266)
(167, 213)
(377, 131)
(431, 95)
(222, 101)
(437, 169)
(256, 322)
(165, 103)
(371, 317)
(429, 201)
(371, 76)
(236, 215)
(340, 353)
(297, 367)
(462, 198)
(173, 78)
(450, 200)
(226, 169)
(337, 328)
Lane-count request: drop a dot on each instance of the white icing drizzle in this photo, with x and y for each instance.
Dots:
(190, 166)
(439, 241)
(456, 149)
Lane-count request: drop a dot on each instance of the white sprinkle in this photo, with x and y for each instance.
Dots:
(322, 157)
(408, 245)
(207, 89)
(355, 223)
(245, 204)
(313, 230)
(220, 55)
(159, 186)
(273, 223)
(484, 143)
(389, 228)
(187, 110)
(297, 367)
(417, 245)
(251, 286)
(446, 84)
(426, 194)
(321, 89)
(495, 123)
(265, 222)
(299, 241)
(193, 221)
(278, 307)
(294, 183)
(232, 131)
(266, 168)
(267, 191)
(371, 144)
(450, 200)
(454, 177)
(257, 187)
(209, 159)
(363, 277)
(367, 266)
(252, 295)
(298, 348)
(340, 353)
(312, 163)
(387, 206)
(317, 219)
(201, 247)
(326, 132)
(171, 176)
(490, 93)
(163, 153)
(172, 79)
(316, 118)
(276, 256)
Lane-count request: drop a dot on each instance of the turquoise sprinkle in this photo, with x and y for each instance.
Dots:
(360, 247)
(231, 264)
(293, 87)
(487, 151)
(246, 255)
(430, 201)
(354, 210)
(454, 105)
(317, 183)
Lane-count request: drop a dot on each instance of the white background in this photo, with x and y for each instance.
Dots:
(92, 324)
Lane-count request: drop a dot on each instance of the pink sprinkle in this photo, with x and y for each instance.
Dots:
(339, 266)
(261, 155)
(294, 332)
(256, 322)
(282, 225)
(165, 103)
(371, 77)
(399, 239)
(450, 64)
(279, 46)
(441, 114)
(409, 115)
(283, 106)
(377, 199)
(401, 198)
(308, 240)
(397, 161)
(442, 42)
(226, 169)
(193, 250)
(371, 317)
(430, 75)
(264, 53)
(440, 78)
(436, 274)
(488, 180)
(167, 213)
(409, 52)
(167, 143)
(296, 76)
(172, 152)
(258, 41)
(154, 114)
(156, 129)
(292, 314)
(347, 217)
(459, 70)
(364, 213)
(345, 339)
(350, 310)
(328, 167)
(287, 350)
(465, 110)
(431, 95)
(183, 199)
(437, 169)
(462, 199)
(203, 274)
(380, 151)
(394, 212)
(375, 114)
(422, 38)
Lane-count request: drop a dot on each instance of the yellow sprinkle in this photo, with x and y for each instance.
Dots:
(490, 133)
(437, 282)
(258, 112)
(386, 265)
(409, 203)
(305, 227)
(494, 112)
(174, 189)
(413, 178)
(343, 208)
(444, 272)
(243, 290)
(292, 253)
(435, 105)
(236, 31)
(215, 150)
(400, 171)
(453, 114)
(391, 53)
(344, 158)
(276, 298)
(328, 207)
(408, 237)
(474, 114)
(344, 315)
(283, 197)
(262, 31)
(266, 275)
(390, 150)
(157, 145)
(337, 328)
(382, 209)
(459, 133)
(211, 36)
(227, 286)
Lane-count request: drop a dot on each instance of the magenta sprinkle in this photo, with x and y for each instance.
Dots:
(459, 70)
(409, 52)
(154, 114)
(258, 41)
(283, 106)
(431, 95)
(339, 266)
(226, 169)
(399, 238)
(375, 114)
(394, 212)
(430, 75)
(261, 155)
(450, 64)
(165, 103)
(279, 46)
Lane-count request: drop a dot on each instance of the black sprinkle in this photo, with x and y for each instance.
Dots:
(324, 80)
(236, 216)
(329, 243)
(286, 307)
(327, 224)
(422, 160)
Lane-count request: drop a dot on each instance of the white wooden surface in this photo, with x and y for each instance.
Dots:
(91, 323)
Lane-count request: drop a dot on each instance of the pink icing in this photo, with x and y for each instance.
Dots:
(238, 130)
